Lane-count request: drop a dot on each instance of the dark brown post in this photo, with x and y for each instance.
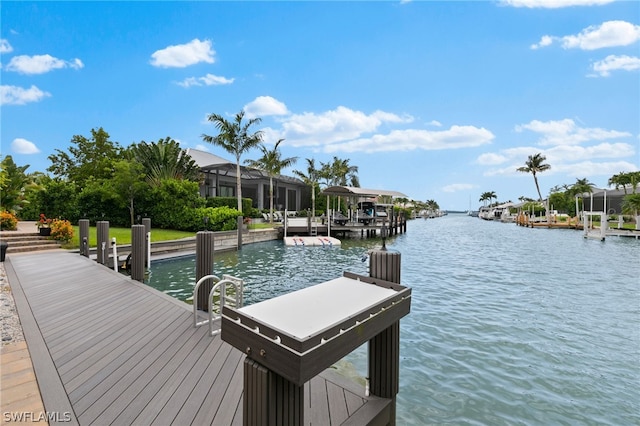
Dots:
(240, 223)
(138, 242)
(84, 237)
(204, 266)
(384, 349)
(270, 399)
(103, 241)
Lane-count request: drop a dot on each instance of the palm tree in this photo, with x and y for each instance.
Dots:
(631, 204)
(271, 163)
(311, 178)
(581, 186)
(534, 165)
(339, 172)
(491, 195)
(234, 137)
(165, 160)
(625, 179)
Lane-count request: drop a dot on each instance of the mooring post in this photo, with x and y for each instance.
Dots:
(270, 399)
(240, 222)
(384, 349)
(138, 242)
(84, 237)
(103, 239)
(204, 267)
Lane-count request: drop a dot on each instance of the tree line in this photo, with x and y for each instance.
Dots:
(562, 197)
(98, 179)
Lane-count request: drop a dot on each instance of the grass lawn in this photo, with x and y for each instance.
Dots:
(123, 235)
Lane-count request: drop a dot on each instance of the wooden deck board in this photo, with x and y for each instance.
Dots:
(113, 351)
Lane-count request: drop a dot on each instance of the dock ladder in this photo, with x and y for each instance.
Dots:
(219, 296)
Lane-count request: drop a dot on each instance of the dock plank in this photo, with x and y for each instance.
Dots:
(110, 350)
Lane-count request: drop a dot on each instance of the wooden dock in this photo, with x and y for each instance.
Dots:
(109, 350)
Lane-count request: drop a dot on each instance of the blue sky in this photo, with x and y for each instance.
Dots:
(438, 100)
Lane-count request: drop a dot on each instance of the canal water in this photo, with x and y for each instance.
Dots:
(508, 325)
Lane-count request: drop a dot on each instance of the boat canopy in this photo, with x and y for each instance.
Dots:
(360, 192)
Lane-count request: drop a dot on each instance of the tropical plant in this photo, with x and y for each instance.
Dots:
(622, 180)
(310, 178)
(13, 181)
(272, 164)
(631, 204)
(165, 160)
(535, 164)
(339, 172)
(581, 186)
(235, 138)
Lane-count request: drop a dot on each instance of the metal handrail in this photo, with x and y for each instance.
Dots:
(219, 286)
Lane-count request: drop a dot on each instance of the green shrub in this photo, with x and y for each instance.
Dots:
(217, 219)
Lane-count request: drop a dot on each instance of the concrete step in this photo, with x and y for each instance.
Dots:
(27, 241)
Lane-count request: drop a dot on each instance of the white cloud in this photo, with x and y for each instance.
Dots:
(264, 106)
(207, 80)
(491, 159)
(183, 55)
(40, 64)
(14, 95)
(412, 139)
(575, 161)
(435, 123)
(5, 47)
(590, 168)
(340, 124)
(553, 4)
(544, 41)
(23, 146)
(455, 187)
(566, 132)
(607, 34)
(613, 63)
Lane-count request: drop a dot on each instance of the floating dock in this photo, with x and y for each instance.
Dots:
(305, 241)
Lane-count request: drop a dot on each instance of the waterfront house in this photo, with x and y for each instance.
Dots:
(220, 181)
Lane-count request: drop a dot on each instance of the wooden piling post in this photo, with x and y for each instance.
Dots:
(84, 237)
(240, 223)
(204, 266)
(269, 398)
(103, 241)
(384, 348)
(138, 248)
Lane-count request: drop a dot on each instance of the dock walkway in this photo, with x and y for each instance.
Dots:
(109, 350)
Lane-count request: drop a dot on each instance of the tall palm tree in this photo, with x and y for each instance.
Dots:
(311, 178)
(271, 163)
(581, 186)
(234, 137)
(339, 172)
(534, 165)
(491, 195)
(622, 180)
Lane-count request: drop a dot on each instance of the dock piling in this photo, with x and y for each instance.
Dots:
(204, 265)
